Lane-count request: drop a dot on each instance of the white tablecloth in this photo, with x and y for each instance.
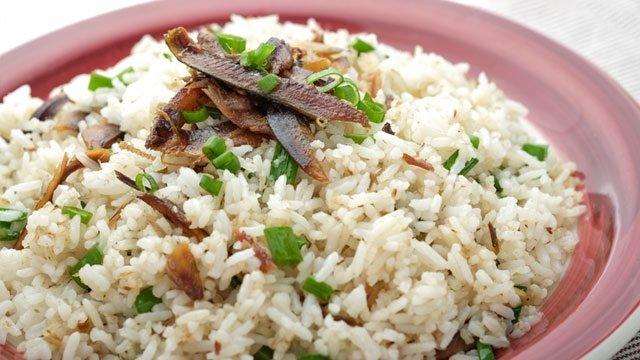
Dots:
(605, 32)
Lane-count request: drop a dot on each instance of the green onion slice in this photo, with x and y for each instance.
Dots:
(214, 147)
(468, 166)
(227, 161)
(122, 73)
(516, 314)
(12, 222)
(324, 73)
(374, 110)
(475, 141)
(85, 216)
(521, 287)
(358, 138)
(320, 289)
(211, 185)
(447, 164)
(213, 112)
(145, 301)
(264, 353)
(313, 357)
(231, 43)
(97, 81)
(257, 59)
(93, 257)
(284, 245)
(195, 116)
(167, 56)
(361, 46)
(269, 82)
(283, 164)
(485, 352)
(153, 185)
(348, 91)
(496, 184)
(538, 151)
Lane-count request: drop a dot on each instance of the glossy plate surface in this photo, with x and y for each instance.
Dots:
(586, 116)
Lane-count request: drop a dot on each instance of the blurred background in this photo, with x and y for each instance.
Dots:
(605, 32)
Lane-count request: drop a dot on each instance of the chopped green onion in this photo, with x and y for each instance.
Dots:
(283, 164)
(496, 184)
(485, 352)
(313, 357)
(167, 56)
(97, 81)
(475, 141)
(521, 287)
(214, 147)
(516, 314)
(284, 245)
(231, 43)
(122, 73)
(93, 257)
(85, 216)
(320, 289)
(213, 112)
(538, 151)
(358, 138)
(264, 353)
(227, 161)
(12, 223)
(153, 185)
(146, 300)
(348, 91)
(195, 116)
(324, 73)
(257, 59)
(269, 82)
(451, 160)
(361, 46)
(374, 110)
(468, 166)
(211, 185)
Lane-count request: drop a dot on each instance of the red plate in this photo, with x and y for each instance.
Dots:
(586, 116)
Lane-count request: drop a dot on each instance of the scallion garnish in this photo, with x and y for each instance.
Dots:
(447, 164)
(269, 82)
(257, 59)
(485, 352)
(264, 353)
(120, 76)
(12, 223)
(283, 164)
(153, 185)
(93, 257)
(374, 110)
(213, 112)
(324, 73)
(195, 116)
(145, 301)
(85, 216)
(348, 91)
(358, 138)
(320, 289)
(211, 185)
(516, 314)
(468, 166)
(496, 184)
(167, 56)
(313, 357)
(214, 147)
(361, 46)
(284, 245)
(475, 141)
(231, 43)
(97, 81)
(227, 161)
(521, 287)
(538, 151)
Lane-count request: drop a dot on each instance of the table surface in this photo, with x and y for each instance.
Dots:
(605, 32)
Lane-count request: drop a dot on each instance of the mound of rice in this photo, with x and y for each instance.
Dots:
(408, 251)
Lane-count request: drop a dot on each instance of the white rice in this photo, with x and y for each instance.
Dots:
(421, 237)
